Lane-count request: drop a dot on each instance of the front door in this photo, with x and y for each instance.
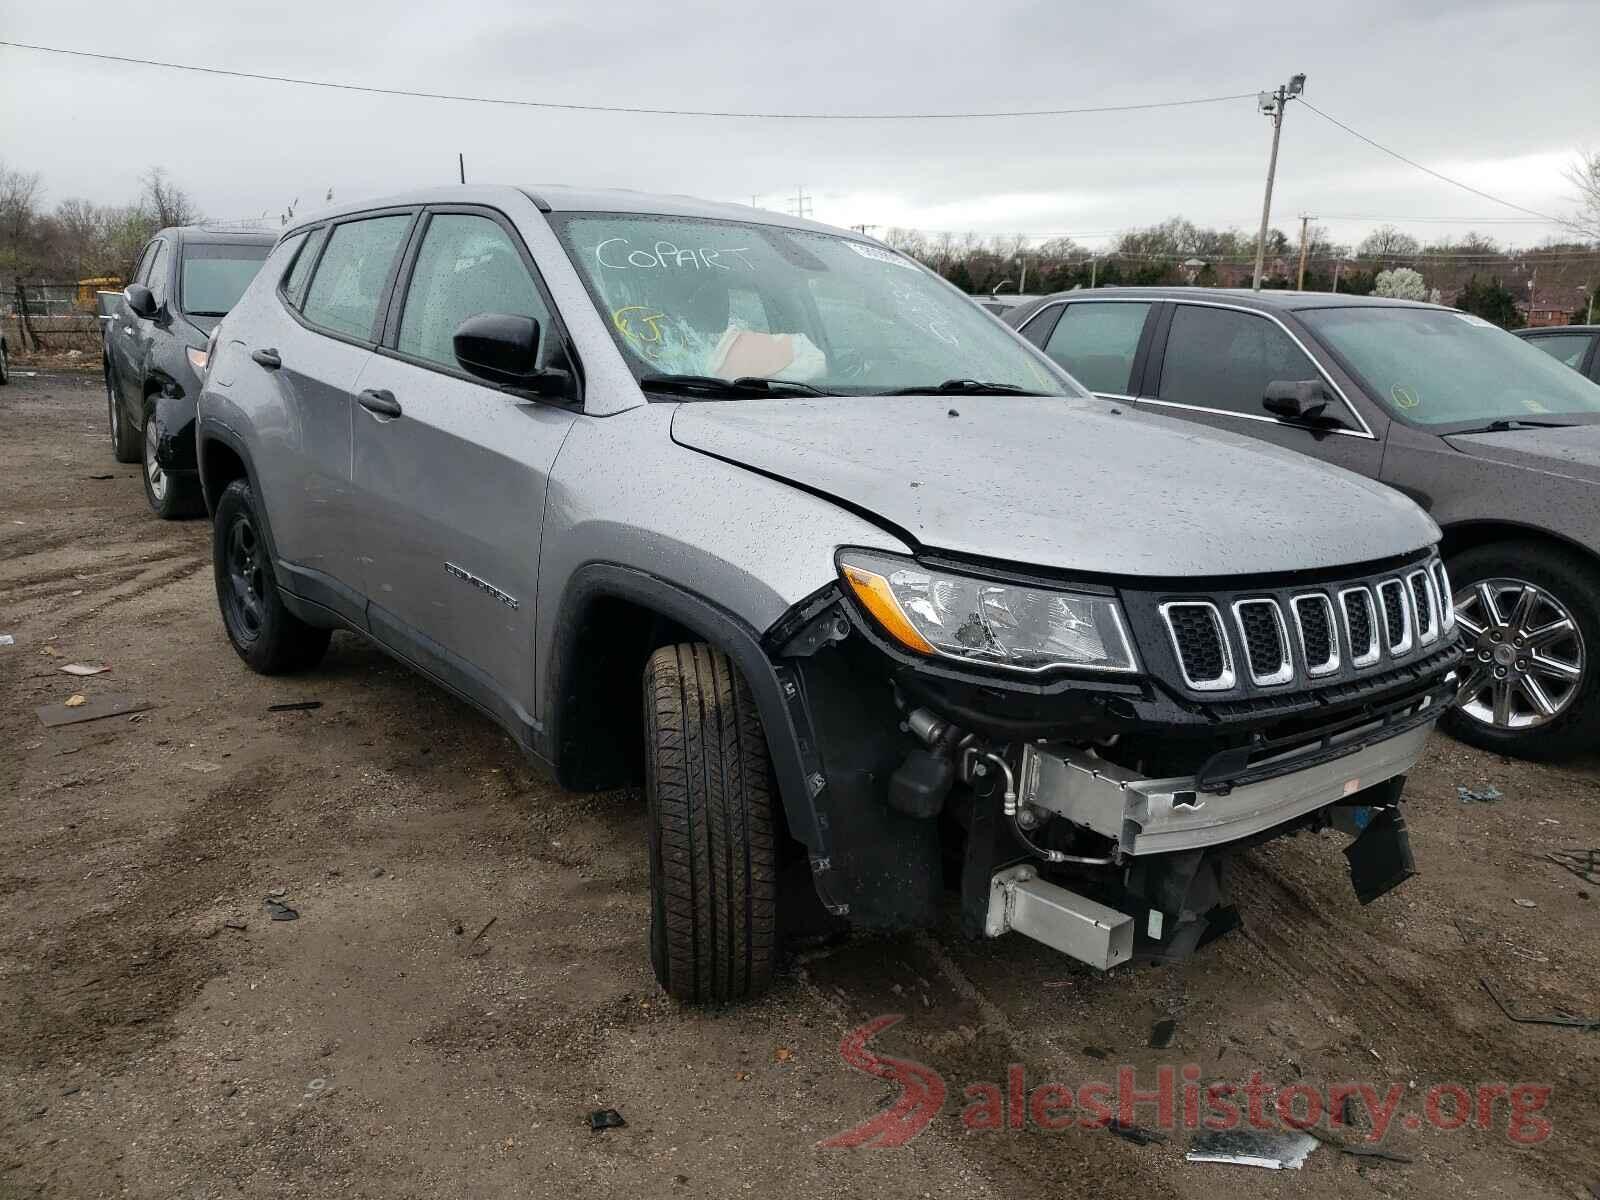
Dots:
(451, 491)
(1214, 367)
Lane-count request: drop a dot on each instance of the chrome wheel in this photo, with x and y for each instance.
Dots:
(1525, 655)
(154, 475)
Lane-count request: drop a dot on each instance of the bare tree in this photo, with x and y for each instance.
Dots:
(1584, 174)
(1388, 242)
(19, 221)
(168, 203)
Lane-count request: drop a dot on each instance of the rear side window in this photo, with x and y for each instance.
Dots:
(467, 266)
(1096, 343)
(304, 257)
(1567, 347)
(1222, 359)
(157, 282)
(348, 286)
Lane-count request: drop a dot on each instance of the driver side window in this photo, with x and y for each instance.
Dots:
(1222, 359)
(467, 265)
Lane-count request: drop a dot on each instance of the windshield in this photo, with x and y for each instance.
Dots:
(215, 276)
(727, 300)
(1450, 368)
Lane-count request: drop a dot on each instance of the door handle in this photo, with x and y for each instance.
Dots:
(266, 358)
(376, 400)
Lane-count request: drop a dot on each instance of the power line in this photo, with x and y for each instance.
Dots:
(627, 109)
(1411, 162)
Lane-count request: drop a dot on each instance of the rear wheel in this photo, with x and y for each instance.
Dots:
(1530, 622)
(170, 496)
(264, 633)
(124, 441)
(713, 840)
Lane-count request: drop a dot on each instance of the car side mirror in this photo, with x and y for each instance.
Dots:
(1295, 399)
(504, 349)
(141, 301)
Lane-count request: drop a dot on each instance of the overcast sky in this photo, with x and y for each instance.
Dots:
(1500, 95)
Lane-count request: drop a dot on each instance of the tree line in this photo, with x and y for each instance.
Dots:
(76, 239)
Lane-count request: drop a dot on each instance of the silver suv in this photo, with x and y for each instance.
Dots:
(863, 587)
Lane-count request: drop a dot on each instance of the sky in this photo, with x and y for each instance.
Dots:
(1499, 95)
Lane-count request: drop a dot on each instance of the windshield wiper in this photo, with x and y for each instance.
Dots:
(727, 389)
(1507, 424)
(965, 387)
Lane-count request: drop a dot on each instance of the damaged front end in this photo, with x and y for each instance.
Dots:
(1097, 810)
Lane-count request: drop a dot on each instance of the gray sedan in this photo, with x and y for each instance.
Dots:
(1497, 440)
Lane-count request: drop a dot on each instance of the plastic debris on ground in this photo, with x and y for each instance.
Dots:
(1524, 903)
(1277, 1150)
(1487, 796)
(279, 911)
(85, 669)
(1162, 1033)
(7, 640)
(295, 706)
(1562, 1019)
(81, 708)
(605, 1118)
(1134, 1134)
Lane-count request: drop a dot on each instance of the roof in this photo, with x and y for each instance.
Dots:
(1266, 300)
(211, 233)
(560, 198)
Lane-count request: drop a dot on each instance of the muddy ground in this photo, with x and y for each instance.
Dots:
(160, 1036)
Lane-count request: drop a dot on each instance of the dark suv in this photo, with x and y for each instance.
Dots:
(1498, 441)
(155, 351)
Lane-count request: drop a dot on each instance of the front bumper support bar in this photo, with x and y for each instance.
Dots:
(1159, 816)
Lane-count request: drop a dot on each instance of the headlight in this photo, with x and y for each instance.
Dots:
(987, 622)
(198, 358)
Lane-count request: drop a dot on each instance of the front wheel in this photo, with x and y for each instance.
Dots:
(713, 835)
(170, 496)
(1530, 623)
(270, 638)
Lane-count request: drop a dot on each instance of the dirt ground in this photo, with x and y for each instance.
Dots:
(468, 975)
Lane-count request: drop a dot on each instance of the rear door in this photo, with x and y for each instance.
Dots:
(451, 491)
(308, 352)
(1098, 342)
(1211, 363)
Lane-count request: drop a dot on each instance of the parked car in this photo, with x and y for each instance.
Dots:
(154, 335)
(1574, 345)
(855, 580)
(1497, 441)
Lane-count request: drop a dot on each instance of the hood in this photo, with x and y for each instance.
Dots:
(1069, 484)
(1573, 452)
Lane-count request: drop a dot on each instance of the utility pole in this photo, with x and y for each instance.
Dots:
(1022, 258)
(864, 230)
(1272, 104)
(802, 202)
(1094, 266)
(1305, 221)
(1337, 263)
(461, 164)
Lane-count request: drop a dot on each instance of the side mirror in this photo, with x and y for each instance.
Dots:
(1295, 399)
(504, 349)
(141, 301)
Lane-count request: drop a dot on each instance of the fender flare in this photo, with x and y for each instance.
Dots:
(777, 692)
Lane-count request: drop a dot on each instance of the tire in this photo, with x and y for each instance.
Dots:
(170, 496)
(1568, 720)
(713, 833)
(270, 638)
(125, 447)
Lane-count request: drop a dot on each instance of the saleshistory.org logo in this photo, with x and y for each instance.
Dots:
(1171, 1104)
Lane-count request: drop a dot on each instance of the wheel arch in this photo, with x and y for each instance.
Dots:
(610, 619)
(1467, 535)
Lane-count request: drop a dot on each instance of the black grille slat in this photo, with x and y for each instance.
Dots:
(1198, 636)
(1358, 617)
(1424, 603)
(1263, 639)
(1393, 598)
(1316, 630)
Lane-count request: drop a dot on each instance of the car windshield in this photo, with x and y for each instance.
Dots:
(712, 300)
(215, 276)
(1435, 367)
